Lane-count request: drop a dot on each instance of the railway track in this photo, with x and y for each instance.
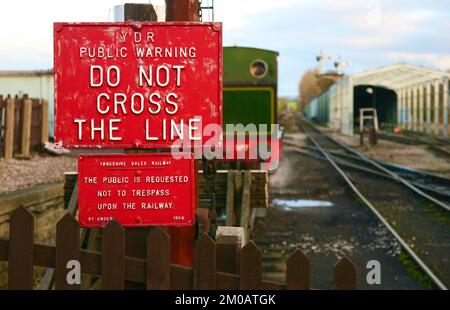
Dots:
(436, 186)
(436, 144)
(409, 204)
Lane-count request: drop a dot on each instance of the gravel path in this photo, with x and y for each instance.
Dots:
(17, 174)
(419, 157)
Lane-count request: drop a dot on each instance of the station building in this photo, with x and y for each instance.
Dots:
(407, 96)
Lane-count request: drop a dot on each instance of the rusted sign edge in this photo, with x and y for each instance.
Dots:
(58, 26)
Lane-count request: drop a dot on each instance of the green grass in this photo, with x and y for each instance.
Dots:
(438, 213)
(414, 271)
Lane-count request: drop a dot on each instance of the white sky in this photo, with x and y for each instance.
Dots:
(369, 33)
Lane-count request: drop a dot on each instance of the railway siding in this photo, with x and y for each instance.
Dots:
(400, 206)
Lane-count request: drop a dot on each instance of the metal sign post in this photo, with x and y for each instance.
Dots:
(182, 237)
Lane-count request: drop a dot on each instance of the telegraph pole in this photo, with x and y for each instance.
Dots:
(182, 10)
(182, 238)
(139, 12)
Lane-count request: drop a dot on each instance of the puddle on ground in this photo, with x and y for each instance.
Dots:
(290, 204)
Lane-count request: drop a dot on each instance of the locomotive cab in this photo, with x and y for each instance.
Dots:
(249, 105)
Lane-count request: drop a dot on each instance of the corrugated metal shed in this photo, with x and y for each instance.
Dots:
(412, 97)
(399, 77)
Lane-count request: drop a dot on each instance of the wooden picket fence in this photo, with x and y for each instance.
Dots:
(24, 125)
(217, 265)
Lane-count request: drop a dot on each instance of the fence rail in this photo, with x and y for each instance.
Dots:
(24, 125)
(218, 265)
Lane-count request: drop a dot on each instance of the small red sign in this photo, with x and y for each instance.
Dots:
(137, 85)
(136, 190)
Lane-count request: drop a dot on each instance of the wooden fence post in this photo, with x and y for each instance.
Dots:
(345, 275)
(9, 129)
(230, 199)
(158, 260)
(250, 267)
(45, 129)
(26, 126)
(205, 263)
(67, 248)
(237, 195)
(113, 257)
(245, 205)
(297, 271)
(21, 242)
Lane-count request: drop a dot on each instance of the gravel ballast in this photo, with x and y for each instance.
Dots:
(18, 174)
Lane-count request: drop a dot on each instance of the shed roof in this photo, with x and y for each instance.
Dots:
(25, 73)
(399, 76)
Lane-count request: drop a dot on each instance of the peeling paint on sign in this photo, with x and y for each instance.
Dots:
(136, 85)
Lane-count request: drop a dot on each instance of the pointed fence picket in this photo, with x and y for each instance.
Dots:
(67, 249)
(158, 259)
(218, 265)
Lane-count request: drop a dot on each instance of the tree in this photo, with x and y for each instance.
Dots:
(312, 84)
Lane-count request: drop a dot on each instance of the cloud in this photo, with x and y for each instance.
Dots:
(390, 20)
(369, 33)
(366, 33)
(363, 41)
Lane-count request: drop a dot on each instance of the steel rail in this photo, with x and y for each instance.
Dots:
(437, 145)
(426, 181)
(403, 243)
(362, 168)
(388, 165)
(394, 175)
